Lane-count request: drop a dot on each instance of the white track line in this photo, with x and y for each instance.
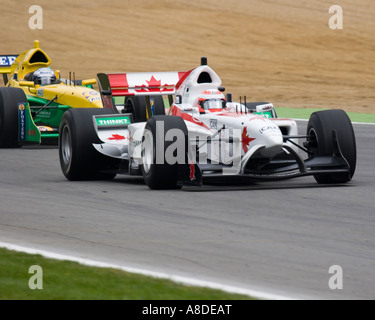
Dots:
(177, 279)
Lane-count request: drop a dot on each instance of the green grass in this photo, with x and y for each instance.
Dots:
(298, 113)
(65, 280)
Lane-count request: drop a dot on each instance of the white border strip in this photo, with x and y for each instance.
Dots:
(177, 279)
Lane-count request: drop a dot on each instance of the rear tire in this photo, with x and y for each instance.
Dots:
(79, 160)
(162, 175)
(138, 107)
(321, 143)
(159, 108)
(9, 100)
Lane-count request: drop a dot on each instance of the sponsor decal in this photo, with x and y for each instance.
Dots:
(188, 109)
(210, 92)
(40, 92)
(31, 133)
(213, 124)
(91, 95)
(44, 114)
(136, 143)
(45, 129)
(6, 61)
(22, 122)
(108, 122)
(268, 128)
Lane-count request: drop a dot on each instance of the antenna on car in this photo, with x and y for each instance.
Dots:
(245, 104)
(229, 97)
(70, 78)
(74, 78)
(203, 61)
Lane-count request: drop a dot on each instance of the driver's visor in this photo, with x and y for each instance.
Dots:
(213, 104)
(45, 80)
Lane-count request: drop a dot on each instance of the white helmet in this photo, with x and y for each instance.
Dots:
(44, 76)
(210, 100)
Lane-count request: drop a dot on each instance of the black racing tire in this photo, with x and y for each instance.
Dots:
(159, 108)
(321, 143)
(161, 175)
(79, 160)
(138, 107)
(9, 99)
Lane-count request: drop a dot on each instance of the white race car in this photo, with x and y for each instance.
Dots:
(202, 134)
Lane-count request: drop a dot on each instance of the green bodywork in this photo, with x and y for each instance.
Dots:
(40, 114)
(266, 114)
(42, 118)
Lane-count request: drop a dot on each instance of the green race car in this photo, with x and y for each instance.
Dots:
(35, 98)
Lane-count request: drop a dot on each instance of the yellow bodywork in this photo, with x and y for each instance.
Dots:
(64, 92)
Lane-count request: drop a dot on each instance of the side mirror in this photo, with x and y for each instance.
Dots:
(88, 82)
(178, 99)
(26, 83)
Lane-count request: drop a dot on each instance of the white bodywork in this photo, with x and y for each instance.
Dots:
(232, 133)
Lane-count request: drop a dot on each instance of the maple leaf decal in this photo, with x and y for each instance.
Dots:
(154, 85)
(246, 140)
(153, 82)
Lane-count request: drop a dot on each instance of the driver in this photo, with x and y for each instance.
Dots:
(212, 104)
(210, 101)
(44, 76)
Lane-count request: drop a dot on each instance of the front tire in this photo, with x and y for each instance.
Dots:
(9, 100)
(78, 158)
(159, 172)
(321, 141)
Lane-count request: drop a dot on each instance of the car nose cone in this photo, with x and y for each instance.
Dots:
(273, 145)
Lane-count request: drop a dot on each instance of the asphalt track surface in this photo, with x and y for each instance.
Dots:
(279, 238)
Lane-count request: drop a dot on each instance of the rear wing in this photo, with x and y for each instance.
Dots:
(140, 83)
(112, 85)
(5, 65)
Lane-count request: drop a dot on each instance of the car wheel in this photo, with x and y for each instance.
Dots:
(78, 158)
(9, 100)
(159, 172)
(159, 108)
(138, 107)
(321, 141)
